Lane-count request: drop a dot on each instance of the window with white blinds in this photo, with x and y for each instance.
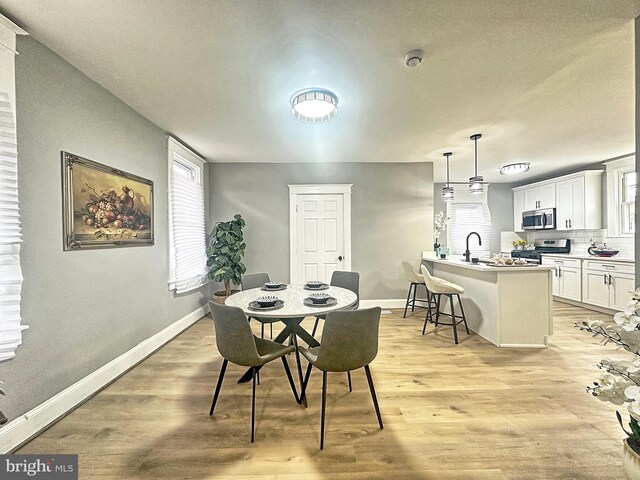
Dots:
(470, 217)
(187, 242)
(10, 235)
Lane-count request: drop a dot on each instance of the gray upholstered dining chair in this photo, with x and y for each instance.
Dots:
(349, 342)
(257, 280)
(238, 345)
(348, 280)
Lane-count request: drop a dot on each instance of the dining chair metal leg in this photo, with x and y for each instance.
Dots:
(315, 327)
(253, 405)
(324, 408)
(218, 385)
(306, 381)
(262, 329)
(303, 397)
(290, 378)
(464, 318)
(438, 307)
(373, 395)
(271, 330)
(453, 319)
(349, 380)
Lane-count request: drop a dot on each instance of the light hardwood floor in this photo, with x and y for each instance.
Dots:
(471, 411)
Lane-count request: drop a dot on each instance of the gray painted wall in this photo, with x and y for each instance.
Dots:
(500, 201)
(392, 215)
(83, 308)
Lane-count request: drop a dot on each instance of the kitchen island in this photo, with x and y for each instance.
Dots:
(510, 306)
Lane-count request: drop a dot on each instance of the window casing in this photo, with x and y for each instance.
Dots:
(621, 192)
(628, 202)
(187, 235)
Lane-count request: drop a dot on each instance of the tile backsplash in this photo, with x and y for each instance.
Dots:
(581, 240)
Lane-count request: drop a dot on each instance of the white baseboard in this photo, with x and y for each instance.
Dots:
(588, 306)
(22, 429)
(384, 303)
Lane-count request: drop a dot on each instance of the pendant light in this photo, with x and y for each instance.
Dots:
(476, 182)
(447, 191)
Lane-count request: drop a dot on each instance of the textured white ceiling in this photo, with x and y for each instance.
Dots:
(547, 82)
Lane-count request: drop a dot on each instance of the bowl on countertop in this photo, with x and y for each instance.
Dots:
(602, 250)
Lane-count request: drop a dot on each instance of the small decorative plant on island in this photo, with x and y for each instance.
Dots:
(619, 383)
(225, 252)
(440, 226)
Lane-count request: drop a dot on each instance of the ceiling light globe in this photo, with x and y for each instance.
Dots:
(515, 168)
(314, 106)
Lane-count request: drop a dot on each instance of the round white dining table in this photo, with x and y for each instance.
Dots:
(291, 313)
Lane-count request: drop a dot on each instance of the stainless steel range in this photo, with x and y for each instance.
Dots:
(562, 245)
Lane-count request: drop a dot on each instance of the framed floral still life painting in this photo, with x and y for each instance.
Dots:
(103, 206)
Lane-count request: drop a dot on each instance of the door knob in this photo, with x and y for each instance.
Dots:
(340, 257)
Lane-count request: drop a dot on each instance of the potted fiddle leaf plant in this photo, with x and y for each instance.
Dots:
(224, 255)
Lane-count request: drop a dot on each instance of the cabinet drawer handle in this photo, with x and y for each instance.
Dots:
(608, 266)
(559, 261)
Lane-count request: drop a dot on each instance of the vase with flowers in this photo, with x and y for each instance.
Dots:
(619, 382)
(519, 244)
(440, 226)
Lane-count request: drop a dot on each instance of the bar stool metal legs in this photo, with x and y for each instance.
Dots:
(455, 319)
(412, 301)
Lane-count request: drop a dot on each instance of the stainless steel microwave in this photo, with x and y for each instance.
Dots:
(544, 219)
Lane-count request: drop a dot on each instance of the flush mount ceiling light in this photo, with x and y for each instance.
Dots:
(514, 168)
(314, 106)
(447, 190)
(413, 58)
(476, 182)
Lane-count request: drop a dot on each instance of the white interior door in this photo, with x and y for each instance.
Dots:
(320, 235)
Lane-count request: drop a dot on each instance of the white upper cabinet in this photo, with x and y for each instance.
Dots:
(518, 208)
(541, 196)
(577, 199)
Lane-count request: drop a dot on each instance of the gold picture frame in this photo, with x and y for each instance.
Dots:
(104, 207)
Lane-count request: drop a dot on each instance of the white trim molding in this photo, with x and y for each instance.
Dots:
(12, 26)
(19, 431)
(320, 189)
(384, 303)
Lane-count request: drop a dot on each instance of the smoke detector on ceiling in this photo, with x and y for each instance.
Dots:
(413, 58)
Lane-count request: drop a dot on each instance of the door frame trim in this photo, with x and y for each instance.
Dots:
(343, 189)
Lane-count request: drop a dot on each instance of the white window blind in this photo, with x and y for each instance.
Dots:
(10, 235)
(188, 258)
(470, 217)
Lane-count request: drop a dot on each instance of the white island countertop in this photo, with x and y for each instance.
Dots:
(586, 256)
(509, 306)
(458, 261)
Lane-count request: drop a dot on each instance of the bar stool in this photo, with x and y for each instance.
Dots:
(414, 279)
(438, 287)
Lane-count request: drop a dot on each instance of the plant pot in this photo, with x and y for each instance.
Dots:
(520, 247)
(630, 462)
(221, 296)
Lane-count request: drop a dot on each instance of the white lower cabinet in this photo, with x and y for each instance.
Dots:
(607, 284)
(567, 277)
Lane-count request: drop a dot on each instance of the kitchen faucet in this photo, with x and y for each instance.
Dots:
(467, 253)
